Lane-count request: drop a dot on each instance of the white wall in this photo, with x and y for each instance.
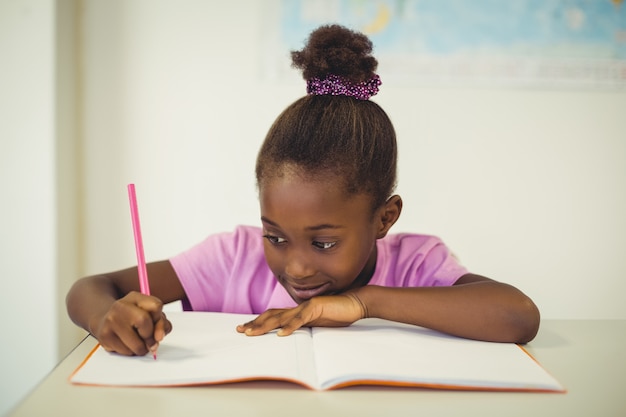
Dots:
(526, 186)
(27, 188)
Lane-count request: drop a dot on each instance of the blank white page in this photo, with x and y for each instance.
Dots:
(205, 348)
(379, 350)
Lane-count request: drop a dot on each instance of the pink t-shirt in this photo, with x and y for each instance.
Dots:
(227, 272)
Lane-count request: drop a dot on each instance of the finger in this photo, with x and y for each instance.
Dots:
(288, 329)
(241, 328)
(122, 339)
(259, 327)
(145, 329)
(161, 328)
(114, 344)
(138, 344)
(151, 305)
(132, 325)
(159, 334)
(266, 322)
(286, 321)
(150, 321)
(294, 323)
(128, 327)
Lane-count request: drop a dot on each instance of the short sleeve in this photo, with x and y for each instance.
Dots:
(413, 260)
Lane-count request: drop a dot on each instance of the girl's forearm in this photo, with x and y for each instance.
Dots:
(89, 298)
(484, 310)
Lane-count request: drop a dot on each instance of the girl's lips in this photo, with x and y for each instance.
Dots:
(310, 292)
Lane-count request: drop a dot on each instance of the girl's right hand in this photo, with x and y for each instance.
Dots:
(133, 325)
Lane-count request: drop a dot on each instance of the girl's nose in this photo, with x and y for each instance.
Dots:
(298, 266)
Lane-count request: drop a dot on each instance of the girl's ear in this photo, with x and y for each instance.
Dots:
(388, 215)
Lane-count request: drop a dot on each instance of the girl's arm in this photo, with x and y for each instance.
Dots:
(475, 307)
(110, 307)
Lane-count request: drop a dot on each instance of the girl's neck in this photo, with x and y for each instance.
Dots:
(367, 272)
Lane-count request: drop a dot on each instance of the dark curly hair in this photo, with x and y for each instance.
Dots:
(327, 136)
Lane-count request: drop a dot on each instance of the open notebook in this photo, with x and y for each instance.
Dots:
(204, 348)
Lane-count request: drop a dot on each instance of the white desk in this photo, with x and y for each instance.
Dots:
(587, 356)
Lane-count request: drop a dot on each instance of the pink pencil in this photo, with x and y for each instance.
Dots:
(144, 285)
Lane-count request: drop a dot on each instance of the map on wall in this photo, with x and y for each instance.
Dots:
(541, 43)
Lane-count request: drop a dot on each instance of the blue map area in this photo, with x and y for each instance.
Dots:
(588, 29)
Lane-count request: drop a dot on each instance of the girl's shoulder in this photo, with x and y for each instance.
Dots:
(415, 260)
(225, 245)
(410, 241)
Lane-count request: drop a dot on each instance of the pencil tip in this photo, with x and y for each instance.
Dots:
(153, 349)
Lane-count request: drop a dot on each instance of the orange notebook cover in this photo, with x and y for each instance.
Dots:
(205, 349)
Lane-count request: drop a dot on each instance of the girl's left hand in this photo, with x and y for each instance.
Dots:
(324, 311)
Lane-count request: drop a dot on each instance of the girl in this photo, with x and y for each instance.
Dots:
(326, 174)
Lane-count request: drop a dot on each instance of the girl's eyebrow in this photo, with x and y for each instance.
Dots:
(317, 227)
(268, 221)
(324, 226)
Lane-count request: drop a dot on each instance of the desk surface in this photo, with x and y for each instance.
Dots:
(586, 356)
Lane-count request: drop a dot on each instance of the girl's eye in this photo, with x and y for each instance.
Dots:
(275, 240)
(324, 245)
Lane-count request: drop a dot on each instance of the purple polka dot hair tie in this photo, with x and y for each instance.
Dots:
(335, 85)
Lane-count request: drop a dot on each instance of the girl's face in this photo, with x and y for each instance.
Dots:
(318, 241)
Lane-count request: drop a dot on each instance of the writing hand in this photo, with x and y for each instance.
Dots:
(324, 311)
(133, 325)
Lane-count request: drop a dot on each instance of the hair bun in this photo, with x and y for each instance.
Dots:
(338, 51)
